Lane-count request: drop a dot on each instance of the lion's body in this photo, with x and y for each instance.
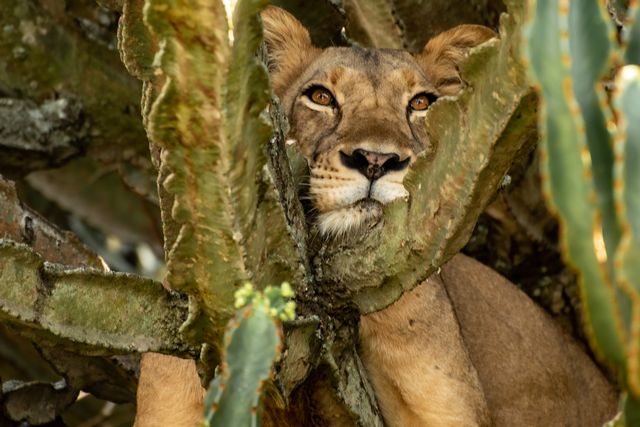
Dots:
(467, 348)
(464, 348)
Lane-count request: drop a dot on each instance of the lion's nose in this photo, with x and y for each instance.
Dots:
(373, 165)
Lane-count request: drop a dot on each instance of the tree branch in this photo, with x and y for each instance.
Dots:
(35, 403)
(20, 224)
(93, 312)
(42, 136)
(51, 51)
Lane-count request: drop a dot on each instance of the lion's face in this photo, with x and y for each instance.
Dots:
(357, 115)
(358, 132)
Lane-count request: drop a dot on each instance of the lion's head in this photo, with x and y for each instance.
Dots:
(357, 114)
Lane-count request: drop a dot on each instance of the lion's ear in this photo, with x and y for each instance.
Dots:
(289, 47)
(442, 56)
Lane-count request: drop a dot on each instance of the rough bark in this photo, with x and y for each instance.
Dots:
(36, 137)
(57, 51)
(35, 403)
(53, 49)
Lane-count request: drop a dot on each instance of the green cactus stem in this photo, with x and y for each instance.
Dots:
(252, 343)
(627, 193)
(567, 138)
(207, 121)
(88, 310)
(632, 36)
(591, 171)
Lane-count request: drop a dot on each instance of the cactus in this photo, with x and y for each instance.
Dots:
(590, 167)
(627, 197)
(632, 35)
(252, 344)
(90, 311)
(206, 119)
(373, 23)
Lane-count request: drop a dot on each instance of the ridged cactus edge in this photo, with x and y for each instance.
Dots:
(627, 198)
(590, 164)
(253, 342)
(568, 176)
(203, 108)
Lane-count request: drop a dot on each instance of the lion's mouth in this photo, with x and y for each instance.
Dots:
(351, 217)
(345, 203)
(368, 203)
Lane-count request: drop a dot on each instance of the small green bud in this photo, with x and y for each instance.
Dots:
(287, 291)
(244, 295)
(289, 312)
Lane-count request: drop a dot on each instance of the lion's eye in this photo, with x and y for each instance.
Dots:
(320, 96)
(421, 101)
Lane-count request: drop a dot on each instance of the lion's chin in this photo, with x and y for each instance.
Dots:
(349, 219)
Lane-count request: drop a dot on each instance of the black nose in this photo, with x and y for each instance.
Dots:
(371, 164)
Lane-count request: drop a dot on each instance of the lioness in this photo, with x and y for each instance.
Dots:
(465, 347)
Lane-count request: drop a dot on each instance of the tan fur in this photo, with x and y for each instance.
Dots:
(289, 46)
(464, 348)
(169, 392)
(418, 363)
(531, 372)
(444, 53)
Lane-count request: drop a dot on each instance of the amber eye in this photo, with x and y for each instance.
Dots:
(320, 95)
(421, 101)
